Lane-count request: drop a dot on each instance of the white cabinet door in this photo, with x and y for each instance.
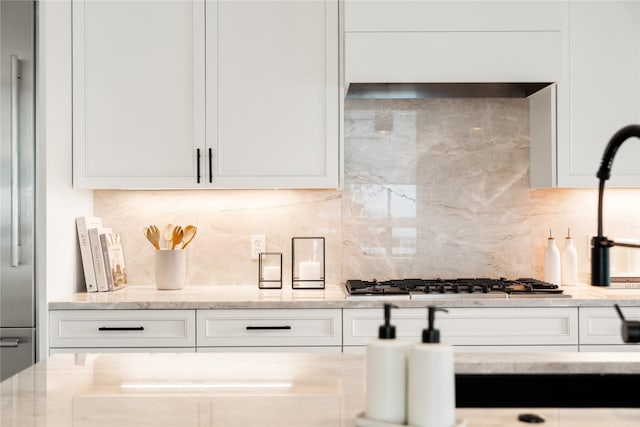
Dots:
(274, 123)
(138, 93)
(603, 93)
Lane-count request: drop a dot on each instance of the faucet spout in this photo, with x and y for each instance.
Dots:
(600, 245)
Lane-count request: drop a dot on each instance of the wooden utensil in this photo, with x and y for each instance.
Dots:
(189, 234)
(167, 234)
(153, 235)
(178, 234)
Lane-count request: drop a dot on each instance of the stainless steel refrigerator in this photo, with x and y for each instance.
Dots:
(17, 190)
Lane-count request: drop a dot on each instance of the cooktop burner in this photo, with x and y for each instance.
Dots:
(452, 288)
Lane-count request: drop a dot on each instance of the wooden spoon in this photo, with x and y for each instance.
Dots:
(189, 234)
(153, 235)
(178, 233)
(167, 234)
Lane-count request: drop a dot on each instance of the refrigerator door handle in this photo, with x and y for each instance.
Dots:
(15, 210)
(10, 342)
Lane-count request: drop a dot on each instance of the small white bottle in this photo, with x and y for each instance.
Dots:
(569, 262)
(431, 399)
(552, 262)
(387, 375)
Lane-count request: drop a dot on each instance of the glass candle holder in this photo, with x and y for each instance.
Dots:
(307, 265)
(270, 270)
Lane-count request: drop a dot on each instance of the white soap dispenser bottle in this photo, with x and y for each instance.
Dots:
(552, 261)
(569, 262)
(387, 375)
(431, 399)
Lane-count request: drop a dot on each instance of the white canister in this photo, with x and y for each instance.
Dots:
(387, 375)
(170, 268)
(431, 400)
(431, 391)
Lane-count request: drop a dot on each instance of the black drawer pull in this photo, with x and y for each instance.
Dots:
(121, 328)
(266, 328)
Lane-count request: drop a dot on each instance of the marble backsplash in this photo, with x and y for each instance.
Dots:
(433, 188)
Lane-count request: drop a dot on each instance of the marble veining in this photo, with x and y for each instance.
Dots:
(432, 188)
(265, 389)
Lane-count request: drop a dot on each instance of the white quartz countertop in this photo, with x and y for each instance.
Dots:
(254, 389)
(232, 296)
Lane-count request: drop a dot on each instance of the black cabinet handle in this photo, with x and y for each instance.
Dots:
(210, 165)
(198, 165)
(264, 328)
(121, 328)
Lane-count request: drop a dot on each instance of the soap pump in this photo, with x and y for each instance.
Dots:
(431, 380)
(386, 375)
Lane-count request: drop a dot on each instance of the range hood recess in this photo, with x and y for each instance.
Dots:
(442, 90)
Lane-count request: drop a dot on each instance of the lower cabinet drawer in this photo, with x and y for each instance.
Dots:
(121, 328)
(602, 325)
(470, 326)
(269, 327)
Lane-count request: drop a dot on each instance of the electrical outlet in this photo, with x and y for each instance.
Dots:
(258, 245)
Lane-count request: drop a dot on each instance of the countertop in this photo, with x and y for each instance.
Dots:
(255, 389)
(222, 296)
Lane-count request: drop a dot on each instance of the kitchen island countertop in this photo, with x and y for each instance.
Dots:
(259, 389)
(243, 296)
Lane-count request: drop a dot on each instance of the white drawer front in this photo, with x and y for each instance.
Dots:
(470, 326)
(602, 325)
(122, 328)
(264, 327)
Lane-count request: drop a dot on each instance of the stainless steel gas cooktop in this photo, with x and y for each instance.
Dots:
(452, 289)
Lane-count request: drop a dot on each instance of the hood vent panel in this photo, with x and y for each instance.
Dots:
(442, 90)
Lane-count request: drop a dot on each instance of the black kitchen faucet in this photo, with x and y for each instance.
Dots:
(600, 244)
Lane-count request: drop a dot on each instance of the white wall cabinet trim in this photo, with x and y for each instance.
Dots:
(430, 15)
(274, 327)
(121, 328)
(452, 57)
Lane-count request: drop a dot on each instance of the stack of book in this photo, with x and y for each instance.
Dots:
(102, 255)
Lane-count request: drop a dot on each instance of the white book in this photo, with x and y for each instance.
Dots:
(98, 257)
(83, 224)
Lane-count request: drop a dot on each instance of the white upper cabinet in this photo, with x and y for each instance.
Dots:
(205, 94)
(138, 93)
(452, 41)
(603, 93)
(276, 117)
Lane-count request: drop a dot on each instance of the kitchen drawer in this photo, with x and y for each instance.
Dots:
(470, 326)
(602, 325)
(122, 328)
(261, 327)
